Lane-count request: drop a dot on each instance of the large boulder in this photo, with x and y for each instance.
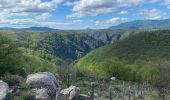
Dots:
(45, 81)
(4, 88)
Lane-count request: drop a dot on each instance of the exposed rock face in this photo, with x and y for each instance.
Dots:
(4, 88)
(43, 83)
(73, 93)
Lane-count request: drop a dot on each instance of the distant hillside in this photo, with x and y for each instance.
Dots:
(144, 24)
(145, 45)
(40, 29)
(30, 28)
(70, 44)
(105, 35)
(60, 44)
(150, 46)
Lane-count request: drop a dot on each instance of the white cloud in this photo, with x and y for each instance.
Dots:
(34, 22)
(27, 7)
(123, 12)
(68, 3)
(96, 7)
(152, 13)
(43, 16)
(33, 12)
(166, 3)
(114, 20)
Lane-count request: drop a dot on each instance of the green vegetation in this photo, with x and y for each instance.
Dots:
(144, 24)
(14, 58)
(9, 51)
(132, 59)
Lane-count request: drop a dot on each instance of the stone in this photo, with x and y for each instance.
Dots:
(41, 94)
(4, 88)
(84, 97)
(45, 81)
(71, 93)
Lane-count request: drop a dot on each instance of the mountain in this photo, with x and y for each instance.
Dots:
(40, 29)
(8, 28)
(70, 44)
(144, 24)
(105, 35)
(30, 28)
(143, 50)
(59, 43)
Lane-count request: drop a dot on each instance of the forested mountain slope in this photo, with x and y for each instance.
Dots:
(67, 44)
(134, 54)
(143, 24)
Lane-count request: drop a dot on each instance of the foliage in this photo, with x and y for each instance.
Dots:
(9, 51)
(14, 57)
(11, 80)
(131, 59)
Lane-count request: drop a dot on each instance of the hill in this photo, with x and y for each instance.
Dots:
(70, 44)
(144, 24)
(60, 44)
(147, 49)
(40, 29)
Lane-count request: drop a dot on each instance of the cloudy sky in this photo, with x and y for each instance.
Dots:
(79, 14)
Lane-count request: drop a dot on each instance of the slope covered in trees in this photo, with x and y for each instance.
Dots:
(138, 56)
(143, 24)
(66, 44)
(14, 58)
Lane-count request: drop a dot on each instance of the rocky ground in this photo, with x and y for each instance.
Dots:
(44, 86)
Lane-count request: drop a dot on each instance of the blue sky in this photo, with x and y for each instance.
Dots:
(79, 14)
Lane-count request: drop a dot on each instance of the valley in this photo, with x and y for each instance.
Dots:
(135, 59)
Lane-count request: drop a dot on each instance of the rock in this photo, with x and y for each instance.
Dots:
(15, 90)
(113, 78)
(71, 93)
(42, 79)
(45, 81)
(4, 88)
(84, 97)
(41, 94)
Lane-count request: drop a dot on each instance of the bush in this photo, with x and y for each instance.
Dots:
(11, 80)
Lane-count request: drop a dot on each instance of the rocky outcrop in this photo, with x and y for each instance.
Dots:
(43, 84)
(73, 93)
(4, 88)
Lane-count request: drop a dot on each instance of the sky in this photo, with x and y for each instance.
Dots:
(79, 14)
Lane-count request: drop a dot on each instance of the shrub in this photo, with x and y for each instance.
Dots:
(11, 80)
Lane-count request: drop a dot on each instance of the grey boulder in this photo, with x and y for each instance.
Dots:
(4, 88)
(73, 93)
(43, 84)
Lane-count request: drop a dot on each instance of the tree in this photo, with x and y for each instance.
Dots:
(65, 71)
(10, 55)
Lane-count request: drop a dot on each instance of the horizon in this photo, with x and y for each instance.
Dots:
(18, 28)
(79, 14)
